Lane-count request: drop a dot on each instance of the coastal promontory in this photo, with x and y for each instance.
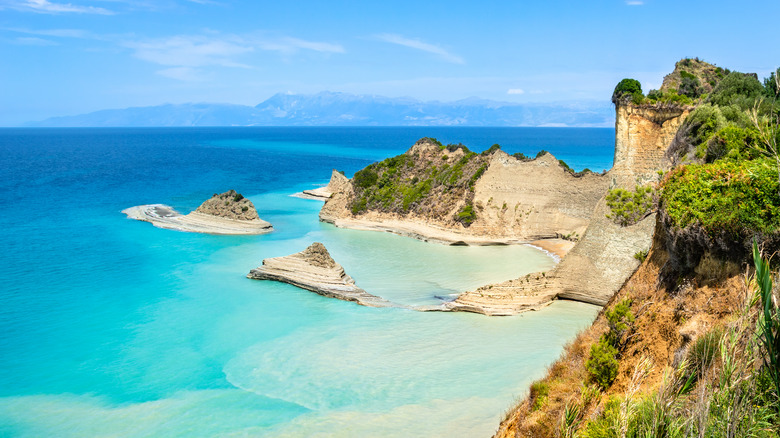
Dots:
(226, 213)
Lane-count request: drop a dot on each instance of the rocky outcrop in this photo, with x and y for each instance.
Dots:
(336, 183)
(315, 270)
(707, 75)
(229, 205)
(228, 213)
(512, 200)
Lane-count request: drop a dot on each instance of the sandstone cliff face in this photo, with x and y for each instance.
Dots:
(535, 199)
(230, 205)
(642, 136)
(604, 258)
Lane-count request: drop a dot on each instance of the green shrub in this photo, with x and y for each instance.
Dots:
(540, 153)
(726, 196)
(538, 394)
(467, 215)
(619, 320)
(690, 86)
(431, 140)
(654, 95)
(625, 88)
(452, 147)
(477, 175)
(492, 149)
(629, 207)
(737, 88)
(565, 166)
(521, 156)
(365, 178)
(602, 364)
(703, 122)
(729, 142)
(641, 255)
(238, 197)
(359, 205)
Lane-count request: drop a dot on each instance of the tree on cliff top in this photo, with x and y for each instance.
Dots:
(627, 89)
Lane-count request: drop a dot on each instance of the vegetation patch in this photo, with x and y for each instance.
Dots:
(629, 207)
(603, 362)
(734, 197)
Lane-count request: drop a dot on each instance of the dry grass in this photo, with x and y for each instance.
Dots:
(666, 323)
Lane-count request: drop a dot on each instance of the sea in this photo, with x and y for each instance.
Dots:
(111, 327)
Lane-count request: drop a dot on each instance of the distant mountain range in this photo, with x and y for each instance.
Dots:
(341, 109)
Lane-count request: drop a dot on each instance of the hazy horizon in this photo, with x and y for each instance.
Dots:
(68, 58)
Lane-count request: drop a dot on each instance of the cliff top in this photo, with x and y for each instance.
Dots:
(693, 71)
(230, 205)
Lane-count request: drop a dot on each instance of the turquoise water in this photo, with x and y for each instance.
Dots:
(111, 327)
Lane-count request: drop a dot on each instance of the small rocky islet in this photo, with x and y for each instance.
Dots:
(224, 213)
(315, 270)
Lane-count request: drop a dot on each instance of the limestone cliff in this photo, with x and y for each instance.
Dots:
(642, 136)
(459, 196)
(603, 258)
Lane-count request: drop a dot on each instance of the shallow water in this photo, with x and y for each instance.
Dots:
(111, 327)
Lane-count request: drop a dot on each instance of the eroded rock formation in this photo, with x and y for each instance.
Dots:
(226, 213)
(315, 270)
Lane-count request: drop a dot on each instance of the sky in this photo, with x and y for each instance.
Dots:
(71, 57)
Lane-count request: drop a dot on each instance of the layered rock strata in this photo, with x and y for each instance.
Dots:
(603, 258)
(315, 270)
(336, 183)
(226, 213)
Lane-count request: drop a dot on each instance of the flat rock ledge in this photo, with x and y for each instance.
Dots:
(163, 216)
(315, 270)
(336, 183)
(529, 293)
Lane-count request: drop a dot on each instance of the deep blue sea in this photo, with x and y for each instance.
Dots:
(112, 327)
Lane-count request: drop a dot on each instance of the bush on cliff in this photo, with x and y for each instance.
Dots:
(629, 207)
(737, 89)
(739, 198)
(603, 362)
(628, 89)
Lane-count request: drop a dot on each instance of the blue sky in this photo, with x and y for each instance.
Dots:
(70, 57)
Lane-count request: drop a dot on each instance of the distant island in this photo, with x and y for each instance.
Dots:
(343, 109)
